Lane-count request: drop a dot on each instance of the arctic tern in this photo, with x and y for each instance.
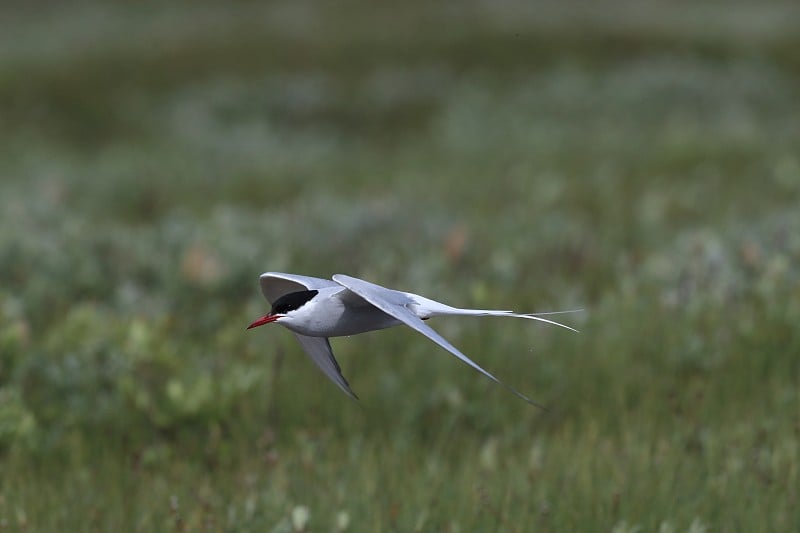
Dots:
(315, 309)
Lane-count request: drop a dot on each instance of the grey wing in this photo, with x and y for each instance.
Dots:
(319, 349)
(394, 303)
(276, 284)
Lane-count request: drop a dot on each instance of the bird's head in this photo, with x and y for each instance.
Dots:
(284, 306)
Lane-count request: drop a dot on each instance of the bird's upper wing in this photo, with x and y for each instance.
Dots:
(276, 284)
(395, 304)
(319, 349)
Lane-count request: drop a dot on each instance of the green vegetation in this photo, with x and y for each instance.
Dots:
(638, 160)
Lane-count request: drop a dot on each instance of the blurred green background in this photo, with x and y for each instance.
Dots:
(638, 159)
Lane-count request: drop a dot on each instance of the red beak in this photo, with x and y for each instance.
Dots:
(266, 319)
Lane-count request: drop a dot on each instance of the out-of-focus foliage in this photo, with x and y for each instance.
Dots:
(638, 160)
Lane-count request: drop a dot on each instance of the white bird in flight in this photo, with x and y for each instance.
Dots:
(315, 309)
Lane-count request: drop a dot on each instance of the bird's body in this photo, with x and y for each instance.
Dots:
(330, 313)
(315, 309)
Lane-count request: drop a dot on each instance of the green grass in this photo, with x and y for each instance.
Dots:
(638, 161)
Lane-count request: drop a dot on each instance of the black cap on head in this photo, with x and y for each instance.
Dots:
(291, 302)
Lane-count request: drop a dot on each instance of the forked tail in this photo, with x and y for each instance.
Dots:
(529, 316)
(427, 308)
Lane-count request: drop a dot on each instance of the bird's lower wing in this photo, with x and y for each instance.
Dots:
(392, 303)
(319, 349)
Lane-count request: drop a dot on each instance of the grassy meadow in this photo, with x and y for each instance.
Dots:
(638, 160)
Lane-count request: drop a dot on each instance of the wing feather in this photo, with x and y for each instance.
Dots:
(276, 284)
(395, 304)
(319, 349)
